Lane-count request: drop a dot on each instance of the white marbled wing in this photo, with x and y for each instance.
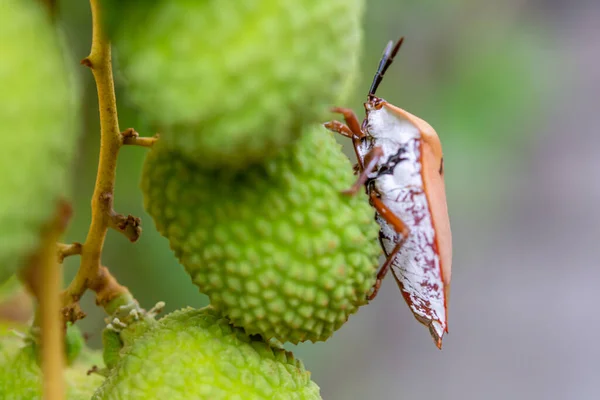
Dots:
(399, 183)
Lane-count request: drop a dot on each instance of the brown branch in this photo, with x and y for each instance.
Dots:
(111, 140)
(131, 137)
(129, 225)
(68, 250)
(106, 287)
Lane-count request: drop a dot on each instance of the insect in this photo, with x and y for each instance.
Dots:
(400, 163)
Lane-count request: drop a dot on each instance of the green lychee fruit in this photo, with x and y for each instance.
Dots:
(230, 82)
(198, 354)
(38, 106)
(277, 248)
(21, 376)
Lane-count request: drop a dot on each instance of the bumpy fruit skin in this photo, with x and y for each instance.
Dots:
(230, 82)
(38, 104)
(21, 377)
(277, 248)
(197, 354)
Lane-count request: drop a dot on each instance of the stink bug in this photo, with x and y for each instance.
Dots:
(401, 165)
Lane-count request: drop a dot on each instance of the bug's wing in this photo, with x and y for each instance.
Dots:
(433, 181)
(434, 187)
(422, 266)
(417, 267)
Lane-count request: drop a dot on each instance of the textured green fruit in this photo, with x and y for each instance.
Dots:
(38, 130)
(21, 377)
(196, 354)
(277, 248)
(230, 82)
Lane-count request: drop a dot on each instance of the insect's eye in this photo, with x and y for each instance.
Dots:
(442, 167)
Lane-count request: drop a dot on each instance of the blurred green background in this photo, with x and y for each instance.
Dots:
(511, 88)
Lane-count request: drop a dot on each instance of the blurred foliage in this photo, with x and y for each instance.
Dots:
(470, 69)
(9, 287)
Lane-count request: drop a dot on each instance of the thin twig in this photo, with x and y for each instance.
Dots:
(131, 137)
(68, 250)
(129, 225)
(100, 62)
(106, 287)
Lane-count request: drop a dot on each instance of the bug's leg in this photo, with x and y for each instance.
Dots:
(400, 227)
(389, 216)
(351, 121)
(344, 130)
(338, 127)
(371, 160)
(384, 269)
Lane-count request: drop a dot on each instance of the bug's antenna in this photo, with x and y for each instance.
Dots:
(386, 60)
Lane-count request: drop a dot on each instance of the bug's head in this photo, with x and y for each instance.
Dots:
(374, 102)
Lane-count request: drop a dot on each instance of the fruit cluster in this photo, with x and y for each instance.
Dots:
(243, 182)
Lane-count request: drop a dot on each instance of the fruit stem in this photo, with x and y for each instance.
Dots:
(68, 250)
(131, 137)
(53, 355)
(90, 274)
(43, 277)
